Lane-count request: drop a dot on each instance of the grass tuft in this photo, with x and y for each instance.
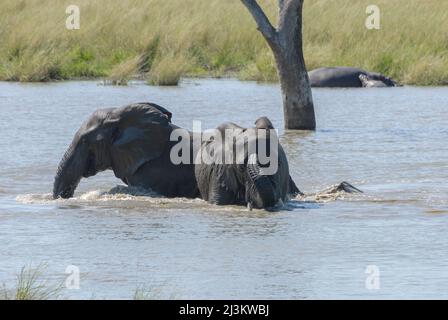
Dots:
(30, 285)
(151, 293)
(167, 71)
(123, 72)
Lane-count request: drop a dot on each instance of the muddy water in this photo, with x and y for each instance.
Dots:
(391, 143)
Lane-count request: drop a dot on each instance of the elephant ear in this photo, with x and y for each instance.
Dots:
(142, 132)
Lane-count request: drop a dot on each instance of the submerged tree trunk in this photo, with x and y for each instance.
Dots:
(286, 44)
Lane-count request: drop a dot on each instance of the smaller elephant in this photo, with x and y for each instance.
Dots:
(246, 179)
(348, 77)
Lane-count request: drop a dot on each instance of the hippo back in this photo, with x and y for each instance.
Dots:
(336, 77)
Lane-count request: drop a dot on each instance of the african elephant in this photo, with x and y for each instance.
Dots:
(347, 77)
(133, 141)
(244, 180)
(136, 142)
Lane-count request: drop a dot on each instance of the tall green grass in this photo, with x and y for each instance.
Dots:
(31, 285)
(167, 39)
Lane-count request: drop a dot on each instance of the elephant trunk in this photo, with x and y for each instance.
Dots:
(69, 172)
(260, 191)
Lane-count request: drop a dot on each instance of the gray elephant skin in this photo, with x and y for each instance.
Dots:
(134, 142)
(348, 77)
(241, 182)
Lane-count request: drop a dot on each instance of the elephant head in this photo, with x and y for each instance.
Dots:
(247, 180)
(121, 139)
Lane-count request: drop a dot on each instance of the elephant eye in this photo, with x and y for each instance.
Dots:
(83, 140)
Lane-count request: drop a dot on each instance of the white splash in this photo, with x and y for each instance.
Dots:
(119, 195)
(123, 196)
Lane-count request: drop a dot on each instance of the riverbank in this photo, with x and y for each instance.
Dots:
(164, 40)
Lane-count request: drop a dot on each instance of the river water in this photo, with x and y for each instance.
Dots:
(390, 242)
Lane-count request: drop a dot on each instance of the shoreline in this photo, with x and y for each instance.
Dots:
(143, 79)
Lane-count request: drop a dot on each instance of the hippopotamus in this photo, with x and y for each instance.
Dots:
(348, 77)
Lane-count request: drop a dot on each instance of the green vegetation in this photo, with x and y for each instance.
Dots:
(151, 293)
(30, 285)
(164, 40)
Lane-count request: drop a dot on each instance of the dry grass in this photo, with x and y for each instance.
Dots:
(152, 293)
(168, 39)
(123, 72)
(167, 70)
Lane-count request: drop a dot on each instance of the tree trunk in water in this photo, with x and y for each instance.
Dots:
(286, 44)
(298, 107)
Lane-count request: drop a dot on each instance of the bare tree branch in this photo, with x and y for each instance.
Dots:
(263, 23)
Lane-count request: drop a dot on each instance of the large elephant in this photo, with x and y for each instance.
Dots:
(345, 77)
(245, 179)
(136, 142)
(133, 141)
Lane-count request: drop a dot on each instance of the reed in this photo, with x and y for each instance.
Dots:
(31, 284)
